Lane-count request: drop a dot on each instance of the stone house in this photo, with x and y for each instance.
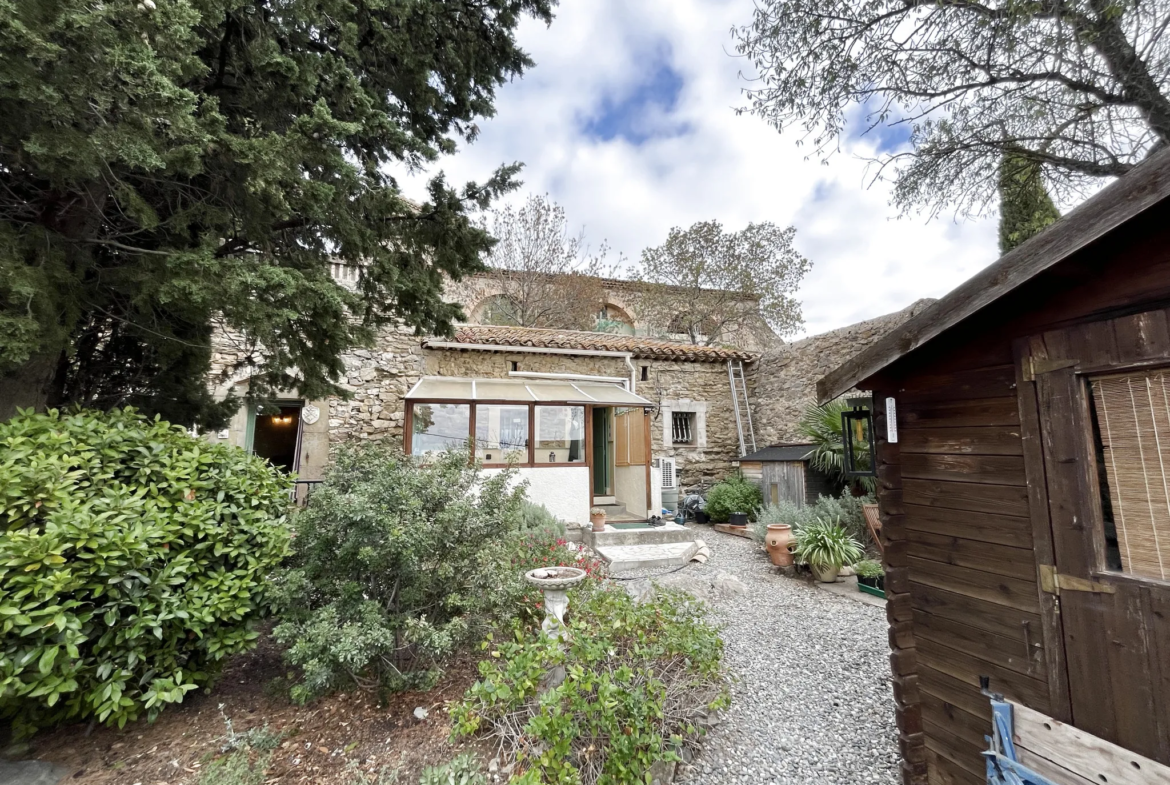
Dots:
(588, 418)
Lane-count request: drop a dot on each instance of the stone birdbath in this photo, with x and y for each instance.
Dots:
(555, 583)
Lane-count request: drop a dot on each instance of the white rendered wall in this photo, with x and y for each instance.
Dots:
(629, 486)
(564, 490)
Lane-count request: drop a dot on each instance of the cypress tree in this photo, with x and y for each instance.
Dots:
(1025, 208)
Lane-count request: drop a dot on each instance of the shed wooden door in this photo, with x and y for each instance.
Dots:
(784, 481)
(1096, 428)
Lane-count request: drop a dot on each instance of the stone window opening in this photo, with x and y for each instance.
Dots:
(682, 427)
(645, 373)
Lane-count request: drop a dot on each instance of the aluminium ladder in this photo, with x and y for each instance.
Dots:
(743, 412)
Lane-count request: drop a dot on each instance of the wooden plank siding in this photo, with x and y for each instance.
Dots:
(956, 500)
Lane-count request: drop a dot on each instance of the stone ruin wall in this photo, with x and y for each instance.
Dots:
(786, 376)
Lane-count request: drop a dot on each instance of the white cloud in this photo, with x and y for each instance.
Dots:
(703, 161)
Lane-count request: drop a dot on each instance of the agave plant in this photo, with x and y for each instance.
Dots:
(821, 425)
(826, 543)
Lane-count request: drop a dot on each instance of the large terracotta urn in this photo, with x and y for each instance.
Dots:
(779, 542)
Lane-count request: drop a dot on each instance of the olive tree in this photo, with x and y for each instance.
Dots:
(1078, 87)
(713, 285)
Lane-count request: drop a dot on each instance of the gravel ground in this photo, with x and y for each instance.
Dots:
(812, 703)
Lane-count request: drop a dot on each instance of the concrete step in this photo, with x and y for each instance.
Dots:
(613, 510)
(622, 558)
(649, 535)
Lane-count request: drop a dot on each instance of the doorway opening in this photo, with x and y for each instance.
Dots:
(276, 437)
(602, 455)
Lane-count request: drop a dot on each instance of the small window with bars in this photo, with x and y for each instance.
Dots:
(682, 430)
(1131, 423)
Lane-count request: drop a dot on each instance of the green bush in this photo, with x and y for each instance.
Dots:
(825, 542)
(845, 509)
(735, 494)
(134, 559)
(463, 769)
(536, 517)
(869, 568)
(638, 681)
(385, 577)
(503, 562)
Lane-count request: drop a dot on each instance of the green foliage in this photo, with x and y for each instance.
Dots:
(845, 509)
(821, 425)
(501, 566)
(384, 580)
(638, 680)
(239, 767)
(939, 92)
(825, 542)
(869, 568)
(169, 163)
(536, 517)
(1025, 208)
(712, 284)
(134, 558)
(735, 494)
(463, 769)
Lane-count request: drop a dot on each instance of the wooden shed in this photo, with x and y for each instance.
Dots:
(1025, 494)
(784, 473)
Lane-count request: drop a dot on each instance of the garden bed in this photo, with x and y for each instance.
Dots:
(323, 741)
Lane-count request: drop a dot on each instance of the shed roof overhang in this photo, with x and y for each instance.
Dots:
(1145, 186)
(446, 388)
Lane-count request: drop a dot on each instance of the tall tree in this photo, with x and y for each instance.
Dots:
(713, 285)
(1025, 208)
(167, 163)
(1079, 87)
(547, 276)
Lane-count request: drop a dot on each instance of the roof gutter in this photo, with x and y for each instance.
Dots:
(490, 347)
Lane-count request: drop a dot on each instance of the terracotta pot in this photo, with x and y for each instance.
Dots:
(779, 542)
(598, 522)
(825, 573)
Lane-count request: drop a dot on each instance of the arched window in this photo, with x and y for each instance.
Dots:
(497, 309)
(612, 319)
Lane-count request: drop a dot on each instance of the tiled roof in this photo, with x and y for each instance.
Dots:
(651, 348)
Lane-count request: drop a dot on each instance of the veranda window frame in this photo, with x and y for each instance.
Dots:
(531, 463)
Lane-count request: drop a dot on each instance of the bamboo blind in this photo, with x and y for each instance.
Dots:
(1133, 411)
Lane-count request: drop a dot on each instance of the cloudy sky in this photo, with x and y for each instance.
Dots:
(628, 121)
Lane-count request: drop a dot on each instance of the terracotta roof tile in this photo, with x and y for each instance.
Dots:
(639, 346)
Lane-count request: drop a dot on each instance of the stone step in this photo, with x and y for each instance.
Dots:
(622, 558)
(650, 535)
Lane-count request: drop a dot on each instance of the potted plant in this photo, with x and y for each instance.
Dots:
(597, 518)
(825, 546)
(871, 578)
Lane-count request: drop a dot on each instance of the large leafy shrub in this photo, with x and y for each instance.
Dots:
(735, 494)
(133, 558)
(385, 577)
(639, 680)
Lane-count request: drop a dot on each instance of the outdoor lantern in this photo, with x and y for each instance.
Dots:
(859, 458)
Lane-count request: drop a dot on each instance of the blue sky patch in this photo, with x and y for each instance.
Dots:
(887, 137)
(640, 111)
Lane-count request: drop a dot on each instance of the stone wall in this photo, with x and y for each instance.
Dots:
(785, 378)
(378, 379)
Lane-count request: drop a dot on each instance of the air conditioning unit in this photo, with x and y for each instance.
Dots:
(669, 480)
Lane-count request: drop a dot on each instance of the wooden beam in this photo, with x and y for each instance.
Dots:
(1082, 753)
(1145, 186)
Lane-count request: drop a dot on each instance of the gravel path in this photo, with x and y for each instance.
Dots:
(812, 703)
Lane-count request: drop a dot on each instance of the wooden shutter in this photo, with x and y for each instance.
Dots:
(1133, 412)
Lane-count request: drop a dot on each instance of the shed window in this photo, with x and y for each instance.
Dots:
(682, 427)
(1132, 422)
